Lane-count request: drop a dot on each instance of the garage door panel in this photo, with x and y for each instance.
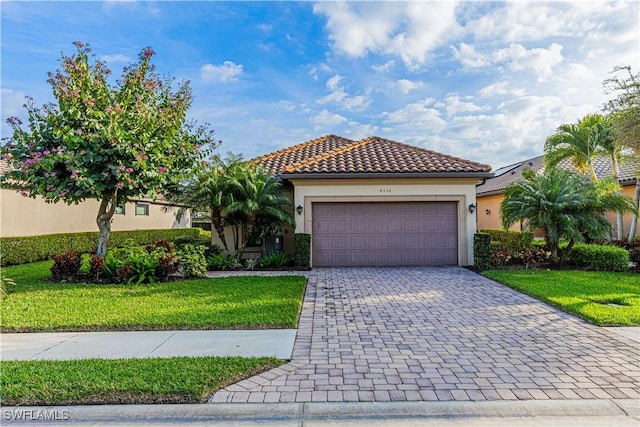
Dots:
(383, 234)
(375, 225)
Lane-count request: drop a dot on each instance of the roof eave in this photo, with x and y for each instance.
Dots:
(386, 175)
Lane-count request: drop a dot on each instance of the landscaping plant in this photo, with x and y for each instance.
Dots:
(66, 266)
(193, 264)
(276, 260)
(110, 142)
(564, 205)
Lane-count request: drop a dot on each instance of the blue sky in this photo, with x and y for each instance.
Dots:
(486, 81)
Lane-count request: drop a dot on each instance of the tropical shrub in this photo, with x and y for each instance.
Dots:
(277, 260)
(512, 241)
(500, 257)
(96, 266)
(135, 264)
(599, 257)
(66, 266)
(22, 250)
(192, 261)
(482, 250)
(564, 205)
(534, 256)
(252, 263)
(302, 251)
(220, 261)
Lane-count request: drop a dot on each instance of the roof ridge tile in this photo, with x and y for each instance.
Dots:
(326, 155)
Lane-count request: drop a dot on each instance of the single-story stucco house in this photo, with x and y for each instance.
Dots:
(24, 216)
(377, 202)
(490, 192)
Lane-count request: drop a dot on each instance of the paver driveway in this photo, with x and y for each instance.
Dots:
(402, 334)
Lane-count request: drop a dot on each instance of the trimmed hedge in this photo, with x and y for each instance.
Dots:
(599, 257)
(512, 241)
(22, 250)
(482, 250)
(302, 251)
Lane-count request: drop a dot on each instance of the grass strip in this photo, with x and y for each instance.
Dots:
(35, 304)
(123, 381)
(602, 298)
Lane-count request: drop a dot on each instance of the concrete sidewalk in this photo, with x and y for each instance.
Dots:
(570, 413)
(138, 344)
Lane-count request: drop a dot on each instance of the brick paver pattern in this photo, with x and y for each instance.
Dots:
(426, 334)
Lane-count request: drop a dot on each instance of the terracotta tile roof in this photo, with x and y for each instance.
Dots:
(332, 155)
(508, 174)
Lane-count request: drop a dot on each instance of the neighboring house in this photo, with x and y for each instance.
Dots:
(490, 192)
(377, 202)
(24, 216)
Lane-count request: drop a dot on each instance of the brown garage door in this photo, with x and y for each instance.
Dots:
(384, 234)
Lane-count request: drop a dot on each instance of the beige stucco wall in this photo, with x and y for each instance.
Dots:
(462, 191)
(494, 219)
(23, 216)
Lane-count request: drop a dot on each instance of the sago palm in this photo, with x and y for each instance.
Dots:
(259, 205)
(563, 204)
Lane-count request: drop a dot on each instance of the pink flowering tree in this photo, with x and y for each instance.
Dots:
(109, 142)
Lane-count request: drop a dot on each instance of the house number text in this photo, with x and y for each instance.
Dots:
(385, 190)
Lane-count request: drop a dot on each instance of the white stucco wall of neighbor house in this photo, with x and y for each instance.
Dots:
(24, 216)
(459, 190)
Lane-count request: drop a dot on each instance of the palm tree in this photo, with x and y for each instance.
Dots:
(565, 205)
(259, 206)
(579, 142)
(624, 110)
(611, 147)
(211, 191)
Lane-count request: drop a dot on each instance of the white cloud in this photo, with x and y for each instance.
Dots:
(117, 59)
(358, 130)
(338, 95)
(469, 57)
(325, 119)
(409, 30)
(387, 66)
(498, 88)
(417, 115)
(515, 57)
(320, 68)
(454, 105)
(405, 86)
(541, 60)
(227, 72)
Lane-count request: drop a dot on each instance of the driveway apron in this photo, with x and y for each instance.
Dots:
(425, 334)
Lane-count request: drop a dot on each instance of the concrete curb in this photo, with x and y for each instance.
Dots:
(625, 411)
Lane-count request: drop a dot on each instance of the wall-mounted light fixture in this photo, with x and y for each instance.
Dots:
(487, 211)
(299, 209)
(472, 207)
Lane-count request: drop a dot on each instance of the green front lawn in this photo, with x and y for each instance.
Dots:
(97, 381)
(602, 298)
(36, 304)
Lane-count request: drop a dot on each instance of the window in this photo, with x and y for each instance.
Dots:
(119, 210)
(142, 208)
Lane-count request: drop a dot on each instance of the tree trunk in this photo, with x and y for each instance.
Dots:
(634, 219)
(566, 252)
(619, 223)
(592, 172)
(107, 209)
(216, 222)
